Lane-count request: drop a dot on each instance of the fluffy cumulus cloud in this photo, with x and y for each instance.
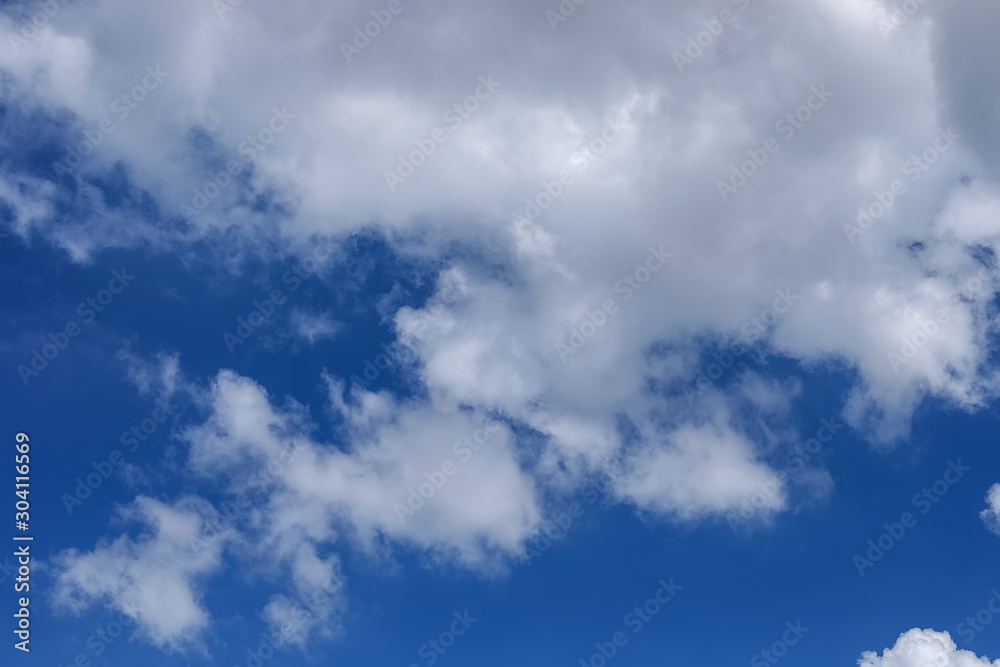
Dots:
(449, 483)
(701, 471)
(317, 600)
(924, 648)
(652, 215)
(155, 579)
(617, 207)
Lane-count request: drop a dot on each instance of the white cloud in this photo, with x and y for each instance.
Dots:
(486, 340)
(317, 602)
(29, 198)
(155, 578)
(159, 376)
(314, 326)
(486, 507)
(924, 648)
(991, 515)
(699, 471)
(655, 183)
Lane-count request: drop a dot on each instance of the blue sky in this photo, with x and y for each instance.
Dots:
(741, 585)
(551, 394)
